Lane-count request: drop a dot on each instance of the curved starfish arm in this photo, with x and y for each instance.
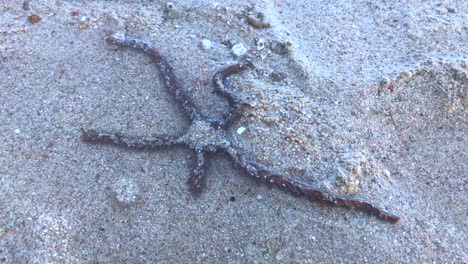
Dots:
(92, 136)
(296, 186)
(167, 75)
(223, 88)
(197, 178)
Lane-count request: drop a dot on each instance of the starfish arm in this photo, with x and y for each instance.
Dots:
(92, 136)
(222, 87)
(197, 178)
(296, 186)
(166, 72)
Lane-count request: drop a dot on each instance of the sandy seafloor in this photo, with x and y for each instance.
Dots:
(367, 98)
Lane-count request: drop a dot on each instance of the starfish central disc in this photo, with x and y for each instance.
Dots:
(202, 136)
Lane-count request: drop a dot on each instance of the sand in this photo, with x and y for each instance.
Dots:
(366, 99)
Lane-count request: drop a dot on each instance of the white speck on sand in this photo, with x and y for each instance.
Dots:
(241, 130)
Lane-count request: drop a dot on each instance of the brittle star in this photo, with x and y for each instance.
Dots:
(209, 135)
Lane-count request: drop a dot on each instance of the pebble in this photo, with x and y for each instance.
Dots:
(260, 43)
(280, 47)
(241, 130)
(17, 131)
(273, 246)
(387, 173)
(384, 82)
(205, 44)
(451, 10)
(119, 35)
(277, 76)
(170, 6)
(406, 75)
(239, 50)
(33, 19)
(464, 65)
(259, 197)
(26, 5)
(171, 10)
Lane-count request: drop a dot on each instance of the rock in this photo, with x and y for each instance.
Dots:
(205, 44)
(239, 50)
(277, 76)
(241, 130)
(348, 175)
(273, 246)
(281, 47)
(170, 10)
(260, 43)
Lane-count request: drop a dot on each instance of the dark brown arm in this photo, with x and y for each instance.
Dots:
(166, 72)
(224, 89)
(296, 186)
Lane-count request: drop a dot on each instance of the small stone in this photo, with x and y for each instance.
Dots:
(419, 72)
(384, 82)
(387, 173)
(277, 76)
(170, 6)
(348, 176)
(119, 35)
(17, 131)
(26, 5)
(407, 75)
(273, 246)
(171, 10)
(226, 41)
(239, 50)
(205, 44)
(260, 43)
(241, 130)
(280, 47)
(312, 238)
(259, 197)
(464, 65)
(33, 19)
(83, 26)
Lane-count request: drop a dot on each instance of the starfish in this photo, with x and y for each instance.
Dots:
(208, 135)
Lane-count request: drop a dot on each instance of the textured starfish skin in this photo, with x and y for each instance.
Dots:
(208, 135)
